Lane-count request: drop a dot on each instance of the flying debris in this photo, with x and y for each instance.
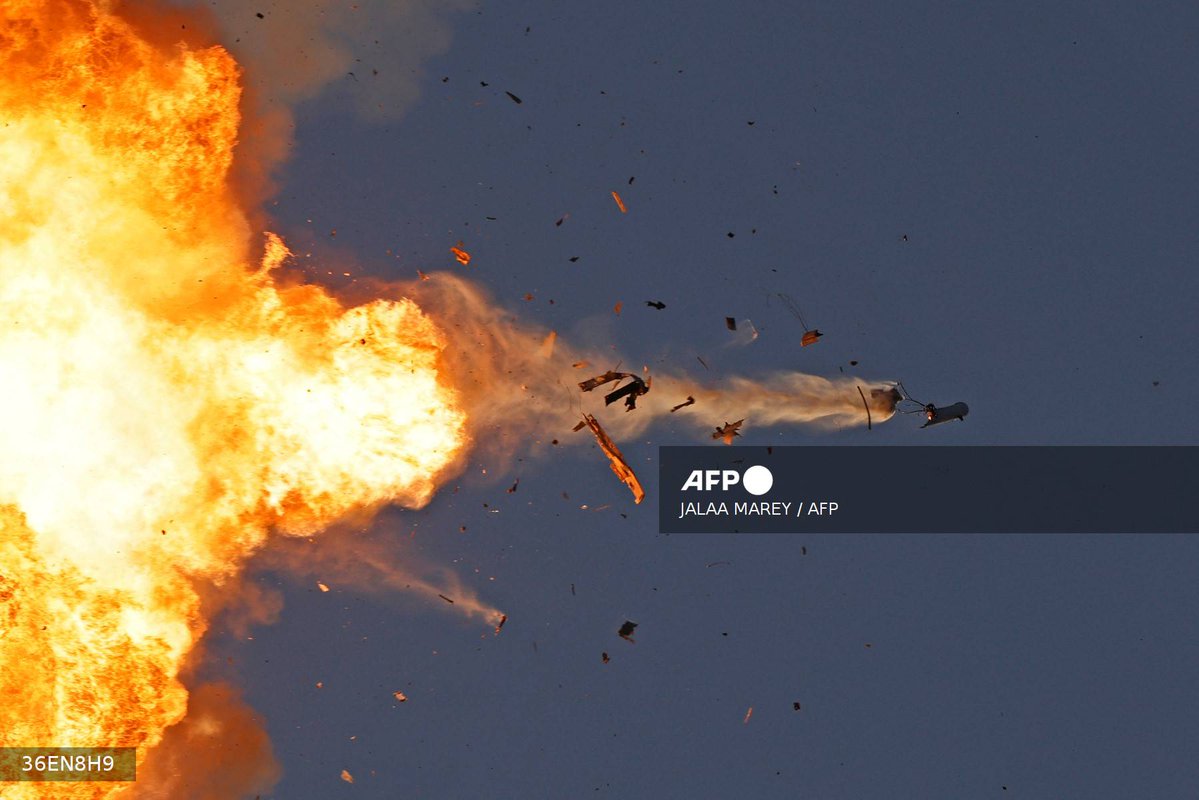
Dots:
(626, 630)
(690, 401)
(658, 304)
(730, 323)
(515, 99)
(729, 430)
(620, 203)
(448, 600)
(460, 254)
(604, 657)
(937, 415)
(619, 465)
(810, 335)
(500, 624)
(630, 391)
(934, 415)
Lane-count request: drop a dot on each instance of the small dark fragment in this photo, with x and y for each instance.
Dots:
(730, 323)
(600, 380)
(515, 99)
(803, 550)
(561, 219)
(579, 427)
(705, 363)
(795, 705)
(484, 83)
(626, 630)
(631, 180)
(512, 488)
(572, 590)
(853, 363)
(260, 15)
(658, 304)
(604, 658)
(500, 624)
(630, 392)
(573, 259)
(689, 401)
(448, 600)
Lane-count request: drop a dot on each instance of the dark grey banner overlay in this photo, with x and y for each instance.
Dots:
(929, 490)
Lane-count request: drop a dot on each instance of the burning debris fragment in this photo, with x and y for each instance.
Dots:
(400, 697)
(729, 430)
(460, 254)
(811, 335)
(499, 625)
(630, 391)
(619, 465)
(626, 630)
(619, 203)
(690, 401)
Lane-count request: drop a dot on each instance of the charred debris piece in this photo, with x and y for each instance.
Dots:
(626, 630)
(619, 465)
(728, 431)
(630, 391)
(658, 304)
(690, 401)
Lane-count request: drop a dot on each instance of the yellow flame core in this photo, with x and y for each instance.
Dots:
(164, 403)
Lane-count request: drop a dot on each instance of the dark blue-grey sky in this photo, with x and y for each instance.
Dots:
(1038, 160)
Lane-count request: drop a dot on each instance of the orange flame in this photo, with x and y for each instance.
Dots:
(167, 401)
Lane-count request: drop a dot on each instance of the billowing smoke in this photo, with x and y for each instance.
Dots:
(515, 387)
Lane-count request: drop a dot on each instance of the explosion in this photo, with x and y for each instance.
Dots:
(171, 401)
(168, 402)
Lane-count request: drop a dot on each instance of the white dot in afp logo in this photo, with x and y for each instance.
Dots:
(757, 480)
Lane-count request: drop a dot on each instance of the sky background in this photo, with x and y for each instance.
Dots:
(1039, 161)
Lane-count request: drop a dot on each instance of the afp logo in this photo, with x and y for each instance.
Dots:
(757, 480)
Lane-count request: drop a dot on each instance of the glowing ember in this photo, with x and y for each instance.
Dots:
(168, 401)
